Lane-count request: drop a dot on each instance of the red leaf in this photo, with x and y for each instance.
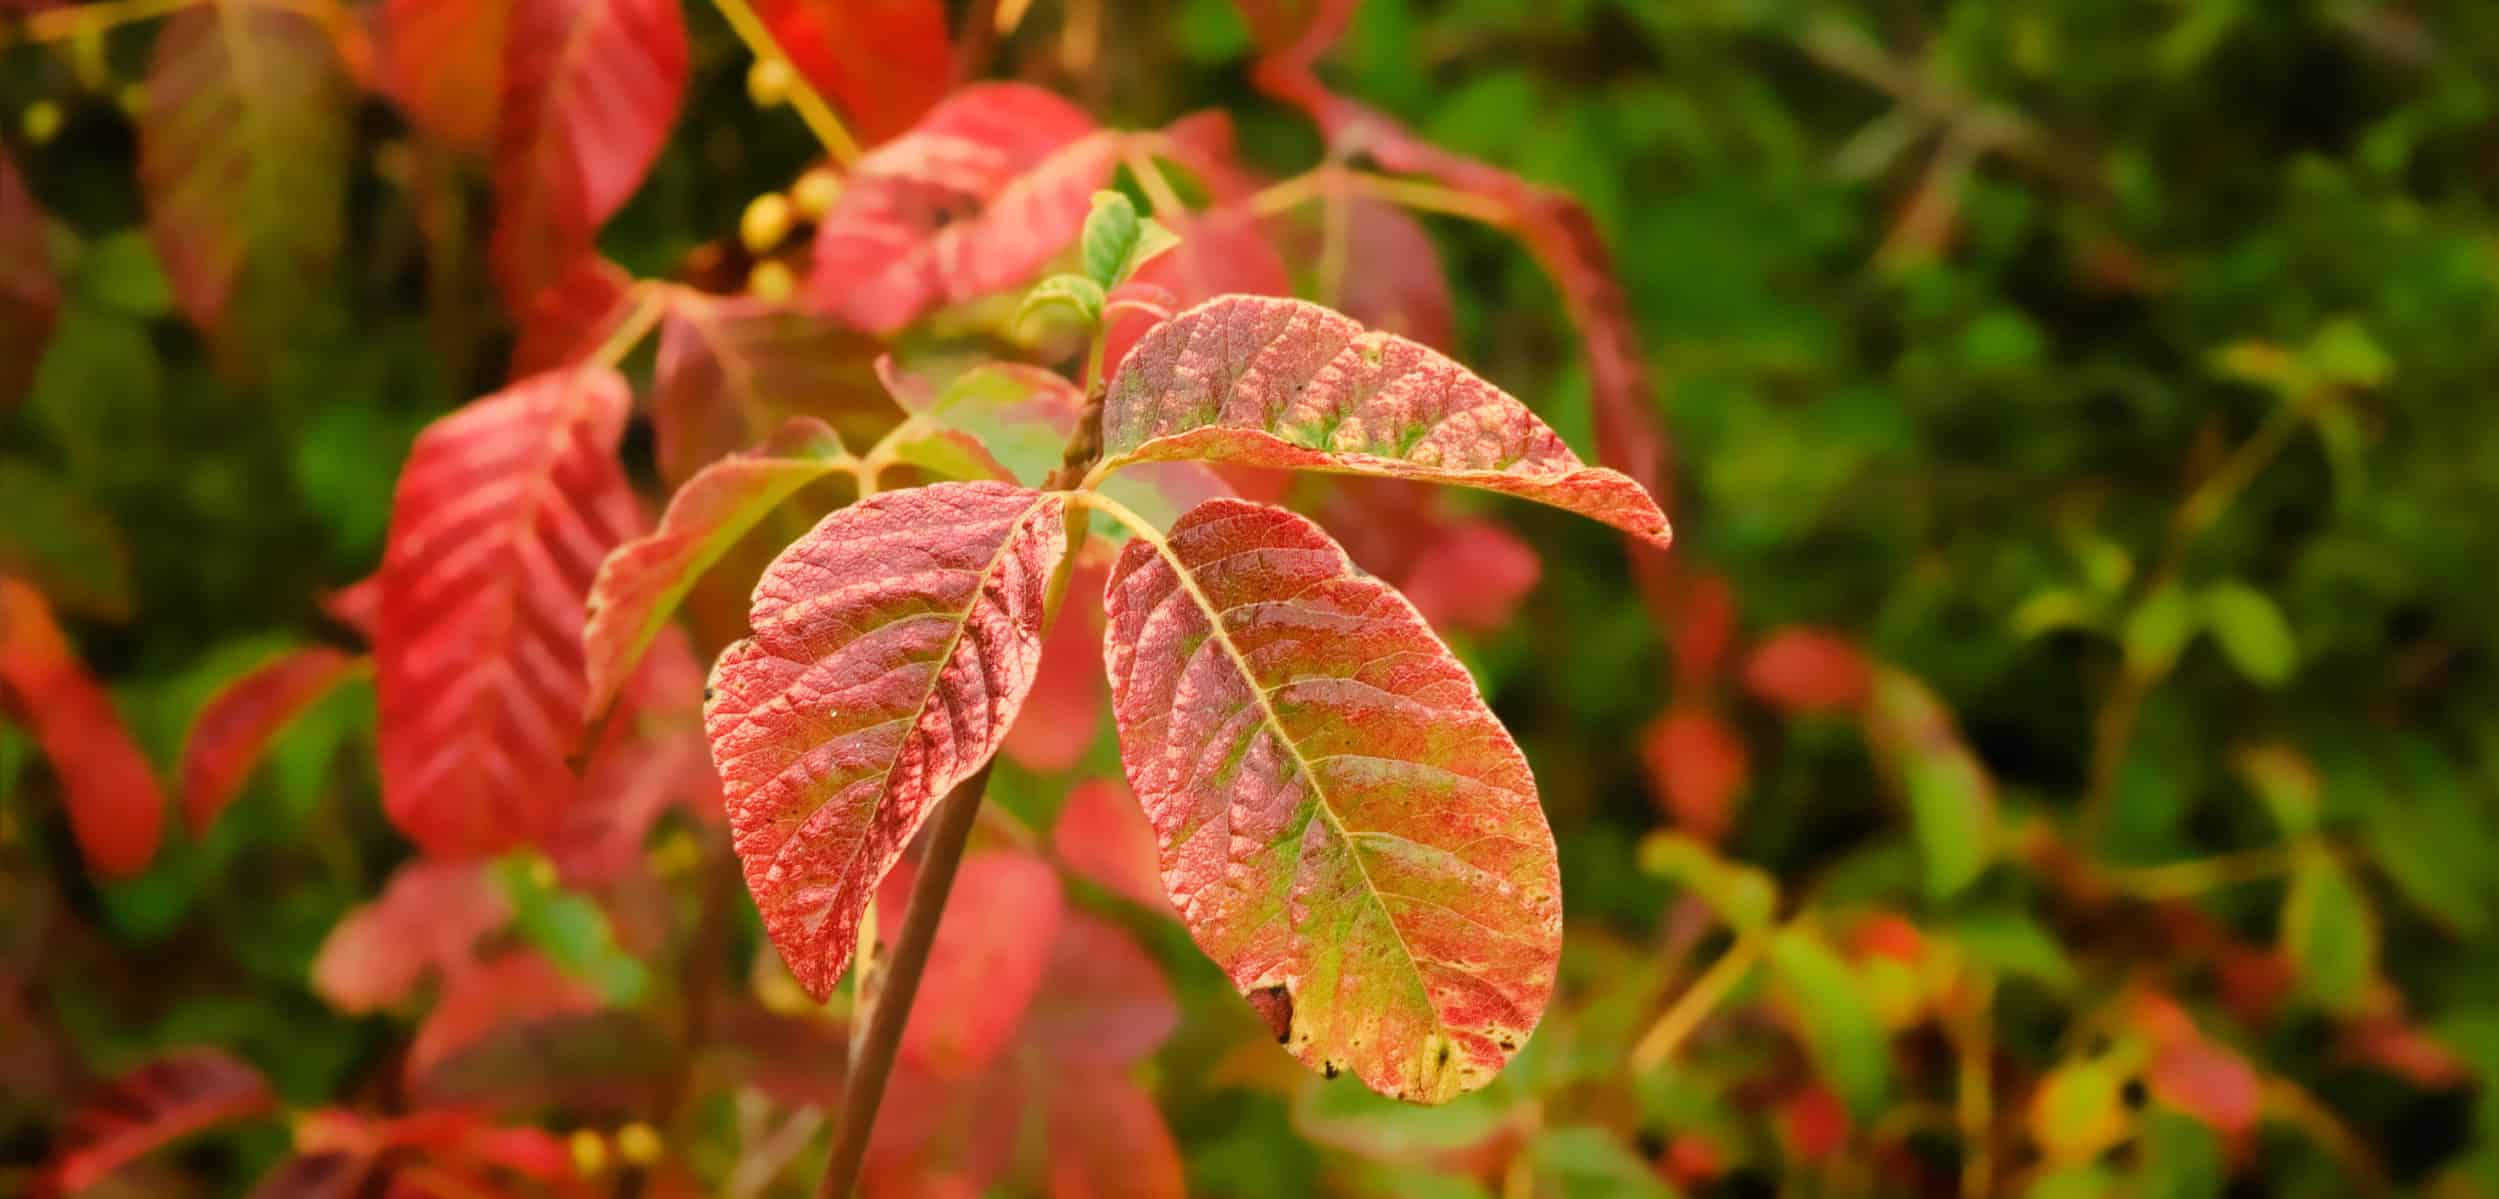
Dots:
(357, 605)
(1221, 252)
(981, 193)
(237, 725)
(1815, 1122)
(172, 1097)
(653, 757)
(442, 63)
(2208, 1082)
(518, 986)
(1697, 770)
(572, 316)
(503, 513)
(589, 90)
(242, 148)
(1102, 1004)
(461, 1153)
(1064, 714)
(1109, 1141)
(1703, 630)
(1471, 576)
(116, 810)
(885, 62)
(1103, 836)
(641, 582)
(1287, 384)
(992, 945)
(427, 919)
(315, 1176)
(893, 645)
(733, 371)
(30, 297)
(1345, 828)
(1797, 669)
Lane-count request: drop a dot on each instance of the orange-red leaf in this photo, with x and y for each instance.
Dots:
(1104, 838)
(1288, 384)
(1799, 669)
(992, 946)
(503, 513)
(884, 62)
(571, 316)
(639, 585)
(973, 200)
(1697, 770)
(237, 724)
(170, 1098)
(893, 644)
(1103, 1003)
(116, 809)
(1108, 1141)
(589, 90)
(1064, 715)
(521, 985)
(1222, 252)
(1345, 827)
(731, 371)
(30, 297)
(441, 61)
(428, 919)
(242, 144)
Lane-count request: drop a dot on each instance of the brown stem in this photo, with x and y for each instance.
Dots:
(949, 831)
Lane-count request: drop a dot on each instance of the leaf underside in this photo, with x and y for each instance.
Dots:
(1343, 825)
(239, 722)
(893, 645)
(1288, 384)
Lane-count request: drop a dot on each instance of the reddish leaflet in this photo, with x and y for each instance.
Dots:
(884, 62)
(30, 298)
(116, 809)
(239, 722)
(163, 1101)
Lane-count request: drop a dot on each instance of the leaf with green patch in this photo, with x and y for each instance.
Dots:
(2251, 631)
(116, 809)
(1952, 800)
(176, 1095)
(2330, 934)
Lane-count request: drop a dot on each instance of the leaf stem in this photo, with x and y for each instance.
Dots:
(819, 116)
(650, 300)
(1699, 1000)
(949, 831)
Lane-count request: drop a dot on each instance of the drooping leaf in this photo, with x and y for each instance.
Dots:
(987, 187)
(1104, 838)
(461, 1152)
(893, 645)
(639, 584)
(441, 61)
(884, 62)
(571, 316)
(519, 986)
(1345, 828)
(1393, 278)
(993, 944)
(30, 297)
(1951, 797)
(732, 371)
(236, 726)
(2251, 631)
(501, 518)
(116, 808)
(1697, 768)
(242, 148)
(1798, 669)
(427, 920)
(184, 1092)
(1288, 384)
(590, 88)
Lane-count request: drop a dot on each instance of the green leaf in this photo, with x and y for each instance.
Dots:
(2009, 942)
(571, 931)
(2251, 631)
(1110, 239)
(1828, 1004)
(120, 271)
(1952, 801)
(1060, 299)
(2330, 934)
(2345, 352)
(2158, 630)
(1591, 1163)
(1745, 897)
(2287, 782)
(2181, 1158)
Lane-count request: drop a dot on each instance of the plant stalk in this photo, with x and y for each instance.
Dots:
(950, 830)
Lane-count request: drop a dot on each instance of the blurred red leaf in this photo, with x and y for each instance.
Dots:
(427, 919)
(1109, 1141)
(1814, 1122)
(1102, 1003)
(993, 944)
(1797, 669)
(30, 297)
(1222, 251)
(1063, 715)
(1393, 279)
(1698, 768)
(571, 316)
(2206, 1081)
(357, 605)
(502, 515)
(238, 724)
(893, 645)
(519, 985)
(1891, 935)
(1204, 143)
(439, 1153)
(116, 808)
(590, 88)
(653, 757)
(1704, 629)
(885, 62)
(163, 1101)
(441, 61)
(982, 192)
(1471, 576)
(1691, 1160)
(734, 370)
(242, 149)
(1103, 837)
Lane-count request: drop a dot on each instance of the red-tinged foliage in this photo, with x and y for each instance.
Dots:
(439, 1153)
(641, 582)
(1465, 574)
(732, 371)
(1698, 768)
(242, 148)
(1890, 935)
(1814, 1122)
(520, 985)
(571, 316)
(1104, 838)
(356, 606)
(1319, 392)
(1222, 251)
(981, 193)
(2207, 1081)
(652, 759)
(1704, 630)
(884, 62)
(170, 1098)
(894, 644)
(1261, 685)
(1204, 143)
(30, 297)
(502, 515)
(1064, 714)
(116, 808)
(238, 723)
(441, 61)
(1393, 278)
(1103, 1002)
(993, 944)
(1798, 669)
(316, 1176)
(1109, 1141)
(590, 88)
(1691, 1160)
(427, 920)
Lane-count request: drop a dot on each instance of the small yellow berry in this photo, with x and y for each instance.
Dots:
(768, 82)
(766, 222)
(589, 1151)
(639, 1144)
(41, 121)
(816, 192)
(771, 281)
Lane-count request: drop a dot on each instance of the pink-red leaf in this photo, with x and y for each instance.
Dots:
(571, 316)
(1799, 669)
(503, 513)
(1104, 838)
(427, 920)
(893, 645)
(1222, 251)
(984, 190)
(1064, 715)
(1109, 1141)
(885, 62)
(1103, 1003)
(1288, 384)
(170, 1098)
(1697, 769)
(116, 809)
(519, 986)
(1345, 827)
(237, 724)
(589, 90)
(640, 584)
(993, 944)
(30, 297)
(731, 371)
(441, 61)
(242, 147)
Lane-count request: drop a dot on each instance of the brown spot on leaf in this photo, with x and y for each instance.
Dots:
(1328, 1068)
(1275, 1006)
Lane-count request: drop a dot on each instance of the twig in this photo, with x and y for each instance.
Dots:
(1698, 1001)
(812, 109)
(949, 830)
